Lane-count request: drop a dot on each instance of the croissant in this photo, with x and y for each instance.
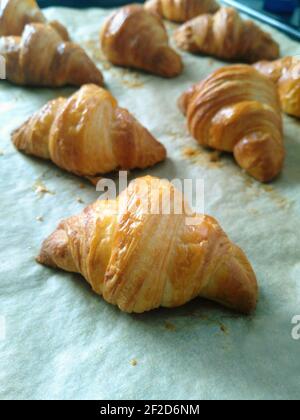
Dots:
(88, 134)
(42, 58)
(181, 10)
(133, 37)
(140, 261)
(227, 36)
(286, 74)
(16, 14)
(236, 109)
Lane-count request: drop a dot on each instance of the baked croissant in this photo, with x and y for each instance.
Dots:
(16, 14)
(133, 37)
(236, 109)
(140, 261)
(227, 36)
(181, 10)
(42, 58)
(88, 134)
(286, 74)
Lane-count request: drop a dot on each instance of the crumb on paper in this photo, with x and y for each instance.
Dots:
(107, 65)
(208, 320)
(94, 179)
(190, 152)
(203, 157)
(282, 202)
(224, 329)
(133, 362)
(79, 200)
(132, 84)
(82, 186)
(128, 78)
(40, 189)
(170, 326)
(39, 219)
(215, 156)
(174, 134)
(257, 189)
(249, 182)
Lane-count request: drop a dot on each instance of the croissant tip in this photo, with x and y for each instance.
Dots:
(54, 249)
(44, 258)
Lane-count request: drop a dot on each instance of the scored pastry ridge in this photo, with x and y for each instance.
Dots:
(88, 135)
(181, 10)
(237, 110)
(133, 37)
(141, 261)
(285, 72)
(227, 36)
(16, 14)
(41, 57)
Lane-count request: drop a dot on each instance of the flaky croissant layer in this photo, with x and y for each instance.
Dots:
(16, 14)
(140, 261)
(88, 134)
(286, 74)
(237, 110)
(41, 57)
(227, 36)
(181, 10)
(133, 37)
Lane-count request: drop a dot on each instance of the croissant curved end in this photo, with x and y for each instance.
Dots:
(63, 32)
(82, 70)
(168, 63)
(53, 248)
(237, 287)
(261, 156)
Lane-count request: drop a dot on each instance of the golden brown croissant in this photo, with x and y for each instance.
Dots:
(42, 58)
(16, 14)
(181, 10)
(140, 261)
(236, 109)
(286, 74)
(133, 37)
(88, 134)
(227, 36)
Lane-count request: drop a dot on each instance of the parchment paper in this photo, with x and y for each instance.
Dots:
(64, 342)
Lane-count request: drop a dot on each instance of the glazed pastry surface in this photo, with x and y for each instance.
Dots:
(227, 36)
(41, 57)
(88, 134)
(286, 74)
(140, 261)
(237, 110)
(181, 10)
(133, 37)
(16, 14)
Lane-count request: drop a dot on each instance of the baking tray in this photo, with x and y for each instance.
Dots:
(287, 23)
